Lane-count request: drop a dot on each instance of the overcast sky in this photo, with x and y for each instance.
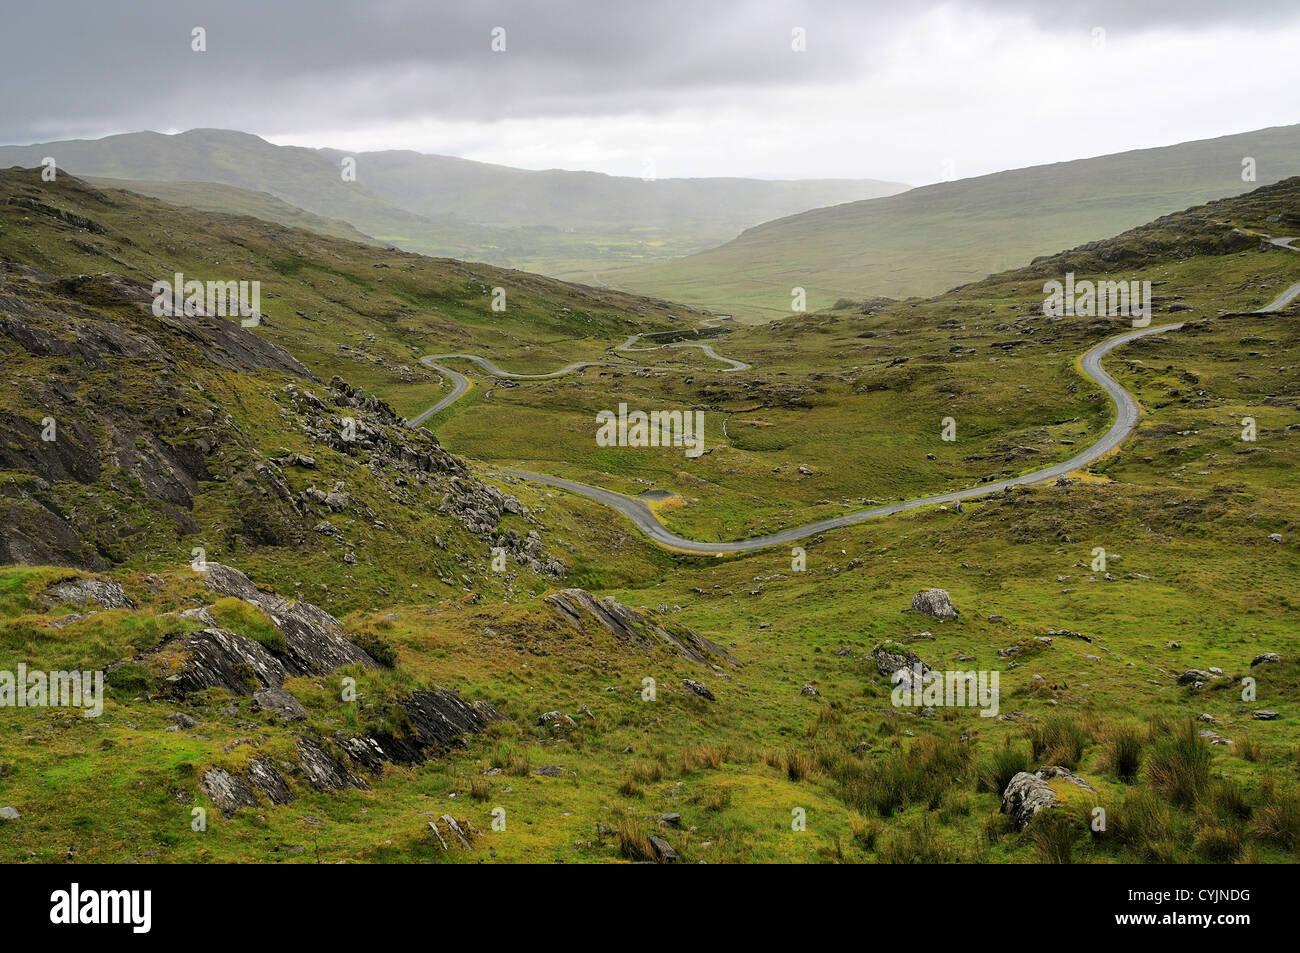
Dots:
(907, 91)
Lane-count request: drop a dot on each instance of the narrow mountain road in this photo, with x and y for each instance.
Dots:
(1126, 418)
(461, 383)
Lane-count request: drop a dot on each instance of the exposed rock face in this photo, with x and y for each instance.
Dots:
(891, 656)
(145, 470)
(412, 457)
(264, 778)
(89, 592)
(440, 719)
(935, 603)
(316, 642)
(280, 704)
(556, 718)
(633, 627)
(53, 328)
(227, 791)
(324, 772)
(217, 658)
(458, 831)
(1029, 793)
(1265, 658)
(1195, 677)
(699, 688)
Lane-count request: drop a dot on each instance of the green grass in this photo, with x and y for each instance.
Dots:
(1184, 510)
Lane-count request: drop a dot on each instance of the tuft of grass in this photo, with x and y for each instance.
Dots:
(716, 799)
(633, 842)
(919, 843)
(865, 832)
(629, 788)
(1121, 752)
(1277, 818)
(921, 775)
(1145, 824)
(798, 765)
(244, 618)
(1058, 740)
(1053, 833)
(1178, 763)
(129, 680)
(1005, 763)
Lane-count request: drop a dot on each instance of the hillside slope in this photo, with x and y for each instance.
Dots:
(136, 438)
(345, 680)
(929, 239)
(228, 199)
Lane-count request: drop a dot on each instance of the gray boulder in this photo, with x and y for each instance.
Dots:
(89, 591)
(315, 642)
(934, 603)
(664, 852)
(1028, 793)
(699, 688)
(891, 656)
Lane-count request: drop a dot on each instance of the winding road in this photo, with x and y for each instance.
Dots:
(641, 515)
(461, 383)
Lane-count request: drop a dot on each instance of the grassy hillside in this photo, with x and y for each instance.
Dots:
(927, 240)
(555, 222)
(1200, 530)
(357, 311)
(213, 197)
(823, 392)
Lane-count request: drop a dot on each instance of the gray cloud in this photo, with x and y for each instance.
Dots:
(295, 68)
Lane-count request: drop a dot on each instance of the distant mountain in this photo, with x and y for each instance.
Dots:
(929, 239)
(553, 222)
(214, 197)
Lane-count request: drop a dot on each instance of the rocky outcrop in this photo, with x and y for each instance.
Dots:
(268, 782)
(409, 457)
(88, 592)
(323, 771)
(458, 833)
(934, 603)
(315, 642)
(89, 354)
(663, 850)
(439, 719)
(698, 688)
(639, 628)
(1028, 793)
(891, 656)
(216, 658)
(279, 704)
(227, 791)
